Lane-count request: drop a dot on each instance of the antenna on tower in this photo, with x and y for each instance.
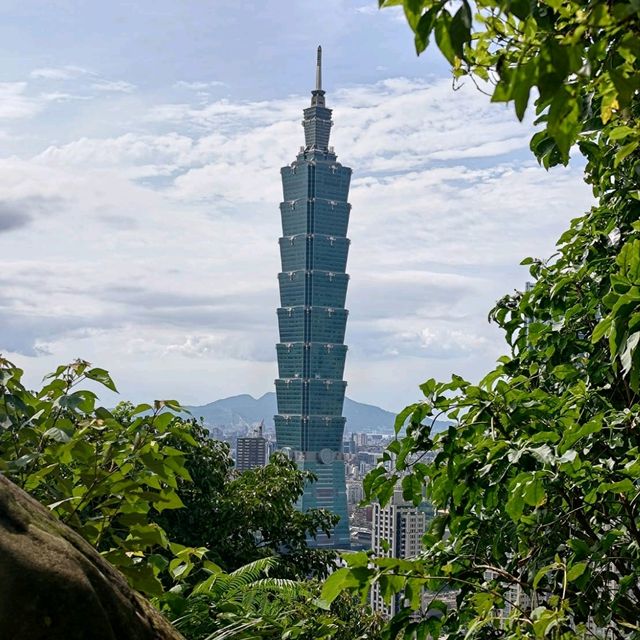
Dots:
(319, 70)
(317, 95)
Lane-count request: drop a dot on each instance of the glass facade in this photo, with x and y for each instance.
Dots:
(312, 315)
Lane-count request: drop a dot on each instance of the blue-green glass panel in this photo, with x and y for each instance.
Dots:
(289, 431)
(328, 492)
(295, 217)
(324, 360)
(325, 432)
(316, 251)
(295, 181)
(289, 396)
(331, 217)
(317, 288)
(331, 180)
(327, 324)
(326, 397)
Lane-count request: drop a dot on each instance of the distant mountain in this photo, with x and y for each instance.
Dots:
(247, 409)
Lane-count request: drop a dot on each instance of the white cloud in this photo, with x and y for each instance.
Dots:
(67, 72)
(199, 85)
(153, 252)
(115, 86)
(447, 342)
(168, 150)
(14, 103)
(367, 9)
(61, 96)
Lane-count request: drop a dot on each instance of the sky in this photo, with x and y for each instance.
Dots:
(140, 149)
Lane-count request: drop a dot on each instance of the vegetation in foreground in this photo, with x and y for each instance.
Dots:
(221, 554)
(537, 481)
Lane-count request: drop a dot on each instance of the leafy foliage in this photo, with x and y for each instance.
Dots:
(537, 481)
(99, 475)
(260, 511)
(138, 482)
(240, 518)
(251, 603)
(243, 517)
(578, 58)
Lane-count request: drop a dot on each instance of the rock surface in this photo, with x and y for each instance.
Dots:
(55, 586)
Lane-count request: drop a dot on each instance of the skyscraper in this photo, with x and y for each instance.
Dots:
(312, 316)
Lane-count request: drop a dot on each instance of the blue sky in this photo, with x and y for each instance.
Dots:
(256, 48)
(140, 146)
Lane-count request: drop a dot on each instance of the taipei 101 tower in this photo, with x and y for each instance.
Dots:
(312, 318)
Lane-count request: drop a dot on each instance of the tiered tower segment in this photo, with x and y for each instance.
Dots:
(312, 316)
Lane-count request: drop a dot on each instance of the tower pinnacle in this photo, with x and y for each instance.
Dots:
(317, 95)
(319, 70)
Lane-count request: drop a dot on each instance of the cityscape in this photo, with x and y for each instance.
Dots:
(320, 321)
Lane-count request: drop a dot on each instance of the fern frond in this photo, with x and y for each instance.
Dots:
(286, 588)
(235, 630)
(248, 573)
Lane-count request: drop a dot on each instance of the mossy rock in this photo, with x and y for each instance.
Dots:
(55, 586)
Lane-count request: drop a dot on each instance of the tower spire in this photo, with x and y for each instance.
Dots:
(317, 95)
(319, 70)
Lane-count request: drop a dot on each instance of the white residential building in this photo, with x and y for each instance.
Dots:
(400, 525)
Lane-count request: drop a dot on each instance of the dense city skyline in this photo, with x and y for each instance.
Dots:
(129, 237)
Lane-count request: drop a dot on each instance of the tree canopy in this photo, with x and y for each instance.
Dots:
(537, 481)
(241, 517)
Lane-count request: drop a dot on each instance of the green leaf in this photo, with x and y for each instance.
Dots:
(625, 151)
(142, 578)
(168, 500)
(401, 418)
(102, 376)
(57, 434)
(460, 29)
(622, 486)
(356, 559)
(24, 460)
(576, 570)
(141, 408)
(385, 491)
(619, 133)
(412, 489)
(601, 329)
(424, 29)
(412, 11)
(443, 37)
(542, 572)
(626, 357)
(534, 493)
(390, 584)
(335, 584)
(514, 506)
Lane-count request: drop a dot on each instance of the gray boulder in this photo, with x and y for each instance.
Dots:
(55, 586)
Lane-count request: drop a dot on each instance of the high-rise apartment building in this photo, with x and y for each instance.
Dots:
(312, 316)
(251, 451)
(396, 532)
